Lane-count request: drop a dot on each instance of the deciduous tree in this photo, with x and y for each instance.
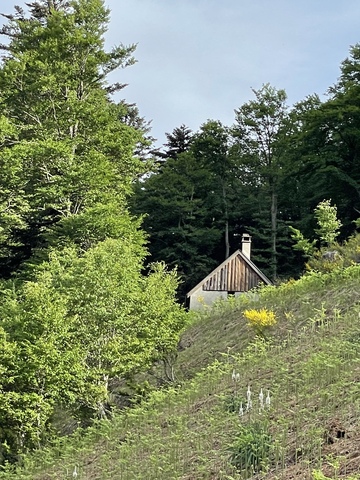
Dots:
(71, 150)
(258, 135)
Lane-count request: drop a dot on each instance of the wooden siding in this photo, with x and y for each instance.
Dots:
(235, 276)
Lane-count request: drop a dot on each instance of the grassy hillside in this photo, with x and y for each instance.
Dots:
(309, 368)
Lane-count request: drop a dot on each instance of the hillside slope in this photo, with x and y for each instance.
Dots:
(309, 368)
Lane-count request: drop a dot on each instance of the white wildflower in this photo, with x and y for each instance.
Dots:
(248, 394)
(268, 400)
(261, 399)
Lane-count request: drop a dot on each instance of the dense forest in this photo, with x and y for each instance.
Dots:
(261, 175)
(101, 233)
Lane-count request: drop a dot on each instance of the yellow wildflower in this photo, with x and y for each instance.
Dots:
(259, 320)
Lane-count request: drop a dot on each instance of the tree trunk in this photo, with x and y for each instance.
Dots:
(227, 243)
(226, 215)
(273, 233)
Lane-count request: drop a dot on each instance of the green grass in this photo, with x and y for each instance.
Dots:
(192, 430)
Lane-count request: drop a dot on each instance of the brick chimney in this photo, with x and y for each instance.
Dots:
(246, 245)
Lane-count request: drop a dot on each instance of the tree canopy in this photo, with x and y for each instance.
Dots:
(77, 311)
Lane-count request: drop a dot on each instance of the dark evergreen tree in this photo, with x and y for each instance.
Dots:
(191, 203)
(324, 152)
(181, 229)
(179, 141)
(211, 150)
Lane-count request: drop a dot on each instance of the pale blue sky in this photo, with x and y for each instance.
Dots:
(198, 59)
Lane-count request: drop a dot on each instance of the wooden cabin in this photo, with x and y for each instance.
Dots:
(236, 275)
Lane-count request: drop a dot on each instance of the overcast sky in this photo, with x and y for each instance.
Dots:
(199, 59)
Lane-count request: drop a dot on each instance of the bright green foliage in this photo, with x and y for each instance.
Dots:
(82, 323)
(250, 451)
(329, 225)
(328, 229)
(302, 244)
(41, 364)
(13, 206)
(79, 313)
(73, 153)
(123, 320)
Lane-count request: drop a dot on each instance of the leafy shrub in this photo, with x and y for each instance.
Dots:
(233, 402)
(344, 255)
(260, 320)
(251, 449)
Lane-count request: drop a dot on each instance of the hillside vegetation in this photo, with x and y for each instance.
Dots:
(87, 323)
(200, 428)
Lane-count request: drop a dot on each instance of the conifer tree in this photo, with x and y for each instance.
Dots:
(178, 141)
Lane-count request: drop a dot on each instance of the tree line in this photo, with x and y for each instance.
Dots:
(263, 174)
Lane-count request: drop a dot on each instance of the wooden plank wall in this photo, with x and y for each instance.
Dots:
(234, 276)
